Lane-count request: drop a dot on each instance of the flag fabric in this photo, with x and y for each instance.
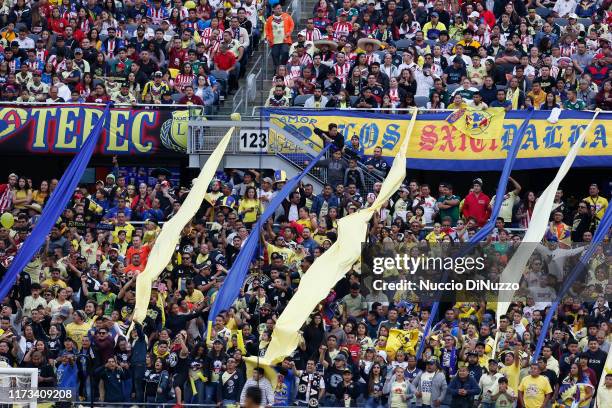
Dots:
(333, 264)
(165, 244)
(405, 340)
(604, 396)
(229, 291)
(55, 206)
(479, 124)
(537, 227)
(600, 235)
(488, 227)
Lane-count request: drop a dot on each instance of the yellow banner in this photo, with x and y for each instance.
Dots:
(437, 145)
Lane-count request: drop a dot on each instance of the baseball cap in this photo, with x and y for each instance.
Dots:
(78, 51)
(477, 181)
(158, 74)
(14, 43)
(435, 14)
(340, 357)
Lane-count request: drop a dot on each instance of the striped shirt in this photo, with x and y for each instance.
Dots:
(342, 71)
(313, 35)
(341, 30)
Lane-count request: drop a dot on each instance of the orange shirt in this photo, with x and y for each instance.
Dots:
(143, 251)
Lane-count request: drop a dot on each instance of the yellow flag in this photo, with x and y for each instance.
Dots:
(604, 396)
(405, 340)
(479, 124)
(330, 267)
(164, 247)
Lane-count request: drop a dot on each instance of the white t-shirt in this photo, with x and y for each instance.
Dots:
(510, 200)
(426, 385)
(429, 206)
(489, 386)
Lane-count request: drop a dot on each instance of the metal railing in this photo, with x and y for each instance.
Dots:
(248, 93)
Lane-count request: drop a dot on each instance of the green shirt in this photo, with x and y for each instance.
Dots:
(105, 300)
(578, 105)
(452, 212)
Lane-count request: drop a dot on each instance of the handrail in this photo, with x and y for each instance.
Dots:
(384, 110)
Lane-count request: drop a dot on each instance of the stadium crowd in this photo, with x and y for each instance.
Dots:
(134, 51)
(70, 309)
(445, 54)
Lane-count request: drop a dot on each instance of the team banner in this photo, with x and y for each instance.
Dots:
(59, 129)
(438, 145)
(478, 123)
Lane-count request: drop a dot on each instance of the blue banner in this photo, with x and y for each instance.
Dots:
(229, 291)
(55, 206)
(600, 235)
(488, 227)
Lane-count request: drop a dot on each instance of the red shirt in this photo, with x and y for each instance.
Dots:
(58, 25)
(477, 206)
(194, 100)
(225, 60)
(177, 56)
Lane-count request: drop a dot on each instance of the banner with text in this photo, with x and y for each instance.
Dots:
(437, 145)
(59, 129)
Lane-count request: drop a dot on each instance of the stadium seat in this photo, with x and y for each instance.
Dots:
(586, 22)
(176, 97)
(34, 37)
(300, 100)
(421, 101)
(561, 22)
(354, 100)
(501, 87)
(543, 11)
(431, 43)
(451, 87)
(403, 44)
(381, 55)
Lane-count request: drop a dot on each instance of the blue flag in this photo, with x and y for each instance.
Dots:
(600, 235)
(55, 206)
(488, 227)
(229, 291)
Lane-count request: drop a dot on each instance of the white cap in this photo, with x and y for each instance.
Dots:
(474, 14)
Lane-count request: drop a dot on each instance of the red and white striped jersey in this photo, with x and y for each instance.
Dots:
(306, 60)
(295, 71)
(85, 26)
(206, 34)
(568, 50)
(370, 58)
(341, 30)
(313, 35)
(183, 13)
(342, 71)
(394, 95)
(42, 54)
